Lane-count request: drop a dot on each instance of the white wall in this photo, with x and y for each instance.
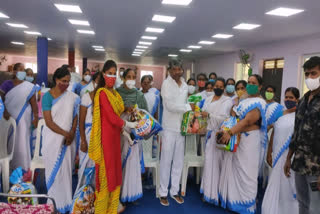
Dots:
(292, 51)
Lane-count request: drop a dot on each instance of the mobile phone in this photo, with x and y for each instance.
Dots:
(314, 186)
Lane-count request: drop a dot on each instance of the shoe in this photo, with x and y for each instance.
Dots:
(164, 201)
(178, 199)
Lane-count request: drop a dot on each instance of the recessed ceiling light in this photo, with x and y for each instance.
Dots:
(283, 11)
(17, 25)
(49, 39)
(145, 43)
(135, 54)
(185, 50)
(32, 32)
(194, 46)
(2, 15)
(161, 18)
(143, 47)
(99, 49)
(79, 22)
(86, 31)
(172, 55)
(206, 42)
(17, 43)
(97, 46)
(149, 37)
(177, 2)
(154, 30)
(140, 50)
(246, 26)
(68, 8)
(222, 36)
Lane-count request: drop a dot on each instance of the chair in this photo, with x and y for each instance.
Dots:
(5, 156)
(37, 160)
(152, 162)
(191, 159)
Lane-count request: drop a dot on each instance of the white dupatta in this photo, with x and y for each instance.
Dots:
(17, 104)
(58, 156)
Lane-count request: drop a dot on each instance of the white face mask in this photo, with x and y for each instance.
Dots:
(191, 89)
(131, 84)
(209, 93)
(87, 78)
(121, 73)
(313, 84)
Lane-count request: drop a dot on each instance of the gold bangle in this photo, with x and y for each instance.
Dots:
(230, 132)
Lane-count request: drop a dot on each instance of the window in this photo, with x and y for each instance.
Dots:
(33, 66)
(143, 73)
(242, 71)
(273, 64)
(303, 87)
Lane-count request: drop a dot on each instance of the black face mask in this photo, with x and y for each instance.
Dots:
(218, 91)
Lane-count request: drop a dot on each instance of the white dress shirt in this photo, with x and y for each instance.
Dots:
(174, 103)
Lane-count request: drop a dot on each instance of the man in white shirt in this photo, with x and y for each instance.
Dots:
(174, 93)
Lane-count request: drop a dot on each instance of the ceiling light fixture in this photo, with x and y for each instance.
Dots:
(185, 50)
(145, 43)
(32, 32)
(194, 46)
(140, 46)
(86, 32)
(79, 22)
(99, 49)
(135, 54)
(283, 11)
(140, 50)
(222, 36)
(177, 2)
(149, 37)
(49, 39)
(172, 55)
(68, 8)
(17, 25)
(161, 18)
(97, 46)
(246, 26)
(2, 15)
(154, 30)
(17, 43)
(206, 42)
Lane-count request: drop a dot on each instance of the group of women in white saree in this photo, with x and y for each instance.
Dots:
(230, 180)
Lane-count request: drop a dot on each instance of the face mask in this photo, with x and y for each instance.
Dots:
(240, 93)
(121, 73)
(21, 75)
(87, 78)
(290, 104)
(30, 79)
(212, 80)
(201, 83)
(218, 91)
(110, 80)
(269, 95)
(191, 89)
(313, 84)
(131, 84)
(209, 93)
(252, 89)
(63, 86)
(230, 89)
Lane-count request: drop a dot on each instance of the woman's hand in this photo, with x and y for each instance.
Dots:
(35, 122)
(84, 146)
(225, 138)
(69, 137)
(129, 109)
(204, 114)
(287, 167)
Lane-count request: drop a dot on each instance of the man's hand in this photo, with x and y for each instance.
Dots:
(287, 167)
(204, 114)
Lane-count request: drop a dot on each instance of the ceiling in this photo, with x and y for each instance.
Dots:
(119, 25)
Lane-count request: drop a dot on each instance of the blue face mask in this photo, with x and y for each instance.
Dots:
(290, 104)
(212, 80)
(30, 79)
(230, 89)
(21, 75)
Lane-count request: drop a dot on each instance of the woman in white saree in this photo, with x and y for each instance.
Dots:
(19, 98)
(60, 113)
(239, 186)
(280, 195)
(217, 109)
